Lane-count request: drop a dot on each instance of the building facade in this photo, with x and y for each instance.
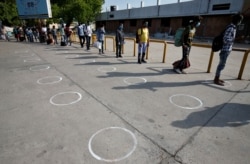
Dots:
(166, 19)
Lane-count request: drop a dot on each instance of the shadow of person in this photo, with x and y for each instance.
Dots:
(225, 115)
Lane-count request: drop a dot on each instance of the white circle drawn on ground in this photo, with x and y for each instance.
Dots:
(27, 55)
(106, 69)
(72, 56)
(126, 80)
(62, 52)
(39, 68)
(87, 61)
(32, 60)
(62, 93)
(57, 79)
(117, 159)
(185, 107)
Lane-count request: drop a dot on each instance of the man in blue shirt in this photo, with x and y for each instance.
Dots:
(228, 40)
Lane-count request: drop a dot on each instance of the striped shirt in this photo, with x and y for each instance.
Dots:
(229, 37)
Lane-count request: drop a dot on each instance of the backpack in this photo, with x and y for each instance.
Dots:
(178, 37)
(137, 39)
(217, 43)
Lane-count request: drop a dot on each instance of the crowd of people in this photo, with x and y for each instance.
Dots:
(84, 32)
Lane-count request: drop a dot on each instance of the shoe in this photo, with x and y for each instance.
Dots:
(143, 61)
(184, 72)
(177, 70)
(217, 81)
(102, 52)
(120, 56)
(222, 81)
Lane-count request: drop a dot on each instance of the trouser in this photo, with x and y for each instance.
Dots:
(222, 63)
(88, 38)
(102, 42)
(82, 40)
(118, 49)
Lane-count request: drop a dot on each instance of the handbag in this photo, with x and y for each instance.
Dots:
(97, 45)
(183, 63)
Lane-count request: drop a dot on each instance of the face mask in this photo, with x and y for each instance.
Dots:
(198, 24)
(239, 23)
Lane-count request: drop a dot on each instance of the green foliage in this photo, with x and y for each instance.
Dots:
(8, 13)
(81, 10)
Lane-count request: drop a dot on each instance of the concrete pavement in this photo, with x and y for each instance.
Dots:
(68, 105)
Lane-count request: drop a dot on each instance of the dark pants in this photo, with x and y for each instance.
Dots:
(88, 38)
(82, 40)
(118, 49)
(102, 42)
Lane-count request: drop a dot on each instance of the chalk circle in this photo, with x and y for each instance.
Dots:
(109, 142)
(31, 60)
(106, 69)
(226, 84)
(72, 56)
(186, 100)
(21, 52)
(49, 80)
(27, 55)
(134, 80)
(39, 68)
(62, 96)
(62, 52)
(87, 61)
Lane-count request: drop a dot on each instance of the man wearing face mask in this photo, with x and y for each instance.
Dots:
(143, 33)
(187, 38)
(228, 40)
(119, 40)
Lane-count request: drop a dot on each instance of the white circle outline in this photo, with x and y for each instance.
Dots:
(47, 67)
(125, 80)
(196, 107)
(62, 52)
(84, 61)
(32, 60)
(101, 69)
(111, 160)
(51, 99)
(25, 56)
(47, 77)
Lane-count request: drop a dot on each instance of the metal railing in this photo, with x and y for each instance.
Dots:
(242, 67)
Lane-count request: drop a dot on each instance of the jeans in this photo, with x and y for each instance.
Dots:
(142, 48)
(222, 63)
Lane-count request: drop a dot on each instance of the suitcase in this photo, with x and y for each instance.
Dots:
(63, 43)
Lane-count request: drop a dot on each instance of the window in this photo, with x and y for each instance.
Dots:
(225, 6)
(133, 22)
(165, 22)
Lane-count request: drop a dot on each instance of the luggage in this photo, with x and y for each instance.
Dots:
(63, 43)
(49, 41)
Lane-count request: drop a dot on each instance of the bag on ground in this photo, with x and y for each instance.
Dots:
(182, 63)
(178, 37)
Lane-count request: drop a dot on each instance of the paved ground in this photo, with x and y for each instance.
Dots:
(71, 106)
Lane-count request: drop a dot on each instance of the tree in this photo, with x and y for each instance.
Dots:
(8, 12)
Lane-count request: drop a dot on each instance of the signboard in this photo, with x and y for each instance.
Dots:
(29, 9)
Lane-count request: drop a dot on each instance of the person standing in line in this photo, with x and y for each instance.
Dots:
(54, 35)
(100, 37)
(143, 44)
(119, 40)
(88, 35)
(81, 35)
(68, 33)
(228, 40)
(187, 39)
